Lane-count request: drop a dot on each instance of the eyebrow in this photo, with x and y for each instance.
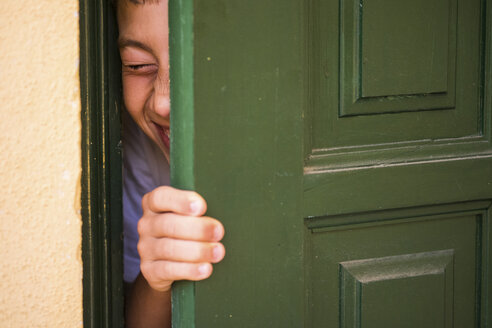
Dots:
(124, 43)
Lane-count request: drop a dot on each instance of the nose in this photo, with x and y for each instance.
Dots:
(161, 101)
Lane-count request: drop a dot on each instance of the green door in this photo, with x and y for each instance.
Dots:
(346, 147)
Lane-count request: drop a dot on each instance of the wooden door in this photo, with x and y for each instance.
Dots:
(346, 147)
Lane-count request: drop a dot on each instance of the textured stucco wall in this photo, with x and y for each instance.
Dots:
(40, 234)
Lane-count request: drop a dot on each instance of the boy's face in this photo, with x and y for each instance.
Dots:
(144, 50)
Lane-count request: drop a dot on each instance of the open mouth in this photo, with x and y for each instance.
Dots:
(164, 134)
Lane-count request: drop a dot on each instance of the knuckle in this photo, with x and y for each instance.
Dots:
(159, 275)
(141, 227)
(142, 249)
(151, 274)
(147, 272)
(151, 198)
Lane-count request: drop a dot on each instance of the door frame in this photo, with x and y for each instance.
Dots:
(101, 181)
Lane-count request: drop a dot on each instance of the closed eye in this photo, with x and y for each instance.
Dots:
(137, 67)
(141, 68)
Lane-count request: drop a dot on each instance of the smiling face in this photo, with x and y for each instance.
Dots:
(144, 50)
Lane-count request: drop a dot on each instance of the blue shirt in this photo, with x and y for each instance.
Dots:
(144, 169)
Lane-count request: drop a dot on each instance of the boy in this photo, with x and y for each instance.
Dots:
(174, 241)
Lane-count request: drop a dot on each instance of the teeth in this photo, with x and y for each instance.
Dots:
(164, 130)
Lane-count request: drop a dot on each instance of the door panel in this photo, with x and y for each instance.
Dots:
(397, 182)
(346, 147)
(409, 272)
(395, 81)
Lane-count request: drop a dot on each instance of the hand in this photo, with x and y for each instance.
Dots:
(176, 241)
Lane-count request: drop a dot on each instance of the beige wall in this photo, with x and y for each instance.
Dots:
(40, 263)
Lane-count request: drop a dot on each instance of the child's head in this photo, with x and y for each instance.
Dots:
(144, 50)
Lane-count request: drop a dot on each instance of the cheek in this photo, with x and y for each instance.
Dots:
(135, 93)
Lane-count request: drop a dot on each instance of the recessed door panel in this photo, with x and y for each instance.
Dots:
(389, 78)
(408, 272)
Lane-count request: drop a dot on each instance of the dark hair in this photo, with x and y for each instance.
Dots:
(138, 2)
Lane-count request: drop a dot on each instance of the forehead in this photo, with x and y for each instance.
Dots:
(143, 22)
(128, 8)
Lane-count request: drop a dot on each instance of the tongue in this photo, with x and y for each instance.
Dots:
(164, 137)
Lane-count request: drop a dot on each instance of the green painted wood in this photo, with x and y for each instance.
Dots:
(373, 215)
(245, 64)
(182, 134)
(344, 119)
(383, 191)
(101, 167)
(395, 63)
(372, 287)
(422, 271)
(424, 61)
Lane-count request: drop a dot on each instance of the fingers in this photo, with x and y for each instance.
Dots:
(181, 227)
(175, 241)
(169, 199)
(176, 250)
(160, 274)
(164, 260)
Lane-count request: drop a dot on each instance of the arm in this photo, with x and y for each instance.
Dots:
(175, 243)
(147, 307)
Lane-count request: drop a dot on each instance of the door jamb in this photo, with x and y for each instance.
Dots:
(101, 179)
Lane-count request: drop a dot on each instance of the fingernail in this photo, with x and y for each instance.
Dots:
(195, 206)
(203, 269)
(217, 233)
(216, 253)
